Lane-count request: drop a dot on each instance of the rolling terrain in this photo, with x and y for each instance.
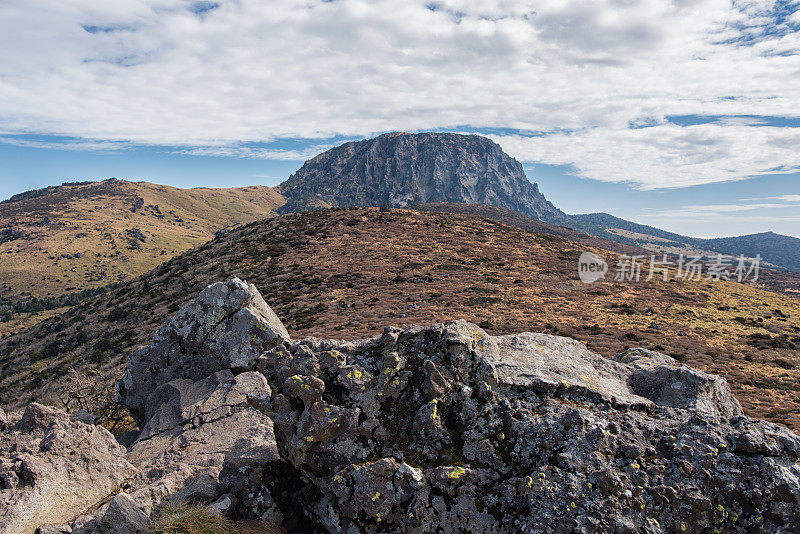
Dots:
(63, 244)
(77, 237)
(346, 273)
(777, 251)
(780, 281)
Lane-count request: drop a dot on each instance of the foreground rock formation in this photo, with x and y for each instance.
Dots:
(52, 465)
(440, 429)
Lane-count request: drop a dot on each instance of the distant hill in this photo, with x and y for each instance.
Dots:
(772, 279)
(400, 169)
(780, 250)
(776, 250)
(84, 235)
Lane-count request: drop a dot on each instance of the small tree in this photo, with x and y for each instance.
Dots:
(94, 392)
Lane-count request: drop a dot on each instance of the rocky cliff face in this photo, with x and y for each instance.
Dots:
(401, 169)
(442, 428)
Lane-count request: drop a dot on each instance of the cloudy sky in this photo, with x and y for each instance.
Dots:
(680, 114)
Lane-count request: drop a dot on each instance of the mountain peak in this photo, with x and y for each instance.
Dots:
(402, 169)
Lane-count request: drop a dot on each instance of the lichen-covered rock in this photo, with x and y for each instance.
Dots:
(227, 327)
(448, 429)
(52, 468)
(464, 432)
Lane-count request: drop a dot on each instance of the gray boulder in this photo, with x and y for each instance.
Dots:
(192, 429)
(3, 420)
(548, 364)
(123, 516)
(52, 468)
(663, 380)
(227, 327)
(203, 489)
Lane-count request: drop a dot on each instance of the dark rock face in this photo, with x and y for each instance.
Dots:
(399, 169)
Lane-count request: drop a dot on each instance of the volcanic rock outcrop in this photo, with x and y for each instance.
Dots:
(399, 169)
(442, 428)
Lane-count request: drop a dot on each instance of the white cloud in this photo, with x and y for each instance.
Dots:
(75, 144)
(247, 152)
(155, 72)
(665, 155)
(716, 210)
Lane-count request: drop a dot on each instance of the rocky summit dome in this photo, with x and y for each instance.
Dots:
(401, 169)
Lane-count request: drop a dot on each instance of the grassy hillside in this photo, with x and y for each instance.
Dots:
(777, 251)
(66, 239)
(771, 279)
(514, 218)
(349, 273)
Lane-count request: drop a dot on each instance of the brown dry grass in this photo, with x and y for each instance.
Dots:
(186, 519)
(77, 233)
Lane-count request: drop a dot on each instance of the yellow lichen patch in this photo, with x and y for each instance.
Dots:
(456, 473)
(355, 374)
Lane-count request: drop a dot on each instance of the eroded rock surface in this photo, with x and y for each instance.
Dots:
(193, 427)
(448, 429)
(227, 327)
(53, 467)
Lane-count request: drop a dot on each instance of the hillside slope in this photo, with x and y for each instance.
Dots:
(780, 281)
(778, 251)
(348, 273)
(781, 250)
(400, 169)
(69, 238)
(515, 218)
